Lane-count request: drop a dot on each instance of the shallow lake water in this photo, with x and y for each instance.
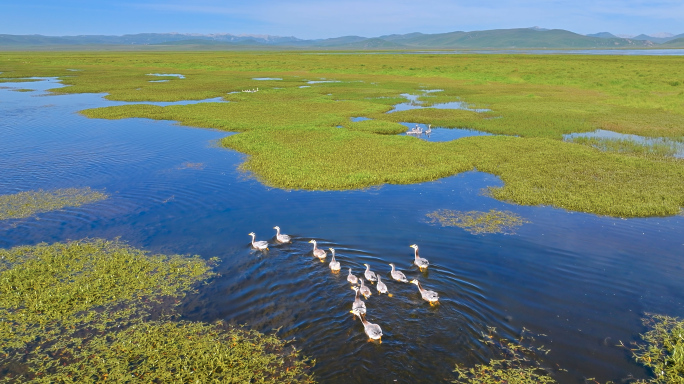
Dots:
(582, 280)
(677, 146)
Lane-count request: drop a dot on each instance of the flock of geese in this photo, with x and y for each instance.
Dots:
(251, 90)
(373, 331)
(419, 130)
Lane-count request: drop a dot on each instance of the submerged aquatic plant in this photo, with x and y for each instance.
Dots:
(92, 310)
(25, 204)
(662, 349)
(478, 222)
(517, 364)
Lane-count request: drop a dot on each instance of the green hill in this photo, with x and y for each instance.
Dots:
(517, 38)
(676, 43)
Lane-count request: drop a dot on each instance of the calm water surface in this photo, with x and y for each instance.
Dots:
(582, 280)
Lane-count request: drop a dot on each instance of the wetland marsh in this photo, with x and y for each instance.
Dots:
(598, 234)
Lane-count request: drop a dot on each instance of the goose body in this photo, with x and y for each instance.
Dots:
(373, 331)
(281, 238)
(419, 261)
(334, 264)
(358, 307)
(398, 275)
(260, 245)
(365, 291)
(370, 275)
(382, 288)
(317, 251)
(430, 296)
(429, 129)
(351, 278)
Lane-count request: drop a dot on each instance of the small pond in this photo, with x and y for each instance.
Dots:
(676, 147)
(440, 134)
(414, 103)
(582, 280)
(167, 74)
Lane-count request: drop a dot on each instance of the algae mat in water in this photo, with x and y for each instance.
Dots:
(303, 138)
(25, 204)
(96, 310)
(477, 222)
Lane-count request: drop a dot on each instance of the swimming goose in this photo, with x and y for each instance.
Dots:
(429, 129)
(382, 288)
(351, 278)
(281, 238)
(260, 245)
(419, 261)
(398, 275)
(370, 276)
(334, 265)
(373, 331)
(365, 291)
(430, 296)
(358, 307)
(318, 252)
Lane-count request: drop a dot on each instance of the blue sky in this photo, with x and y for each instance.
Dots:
(324, 18)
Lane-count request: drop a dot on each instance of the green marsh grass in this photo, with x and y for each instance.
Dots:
(96, 310)
(291, 136)
(477, 222)
(662, 349)
(29, 203)
(629, 146)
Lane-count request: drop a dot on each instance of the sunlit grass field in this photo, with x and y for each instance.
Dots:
(302, 137)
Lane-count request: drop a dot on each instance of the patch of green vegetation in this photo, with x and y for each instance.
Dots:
(376, 126)
(96, 310)
(25, 204)
(289, 132)
(10, 80)
(517, 364)
(628, 146)
(477, 222)
(22, 90)
(662, 349)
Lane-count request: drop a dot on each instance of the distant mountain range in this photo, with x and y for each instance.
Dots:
(653, 39)
(525, 38)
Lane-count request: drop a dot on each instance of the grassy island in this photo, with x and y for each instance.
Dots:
(299, 133)
(98, 310)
